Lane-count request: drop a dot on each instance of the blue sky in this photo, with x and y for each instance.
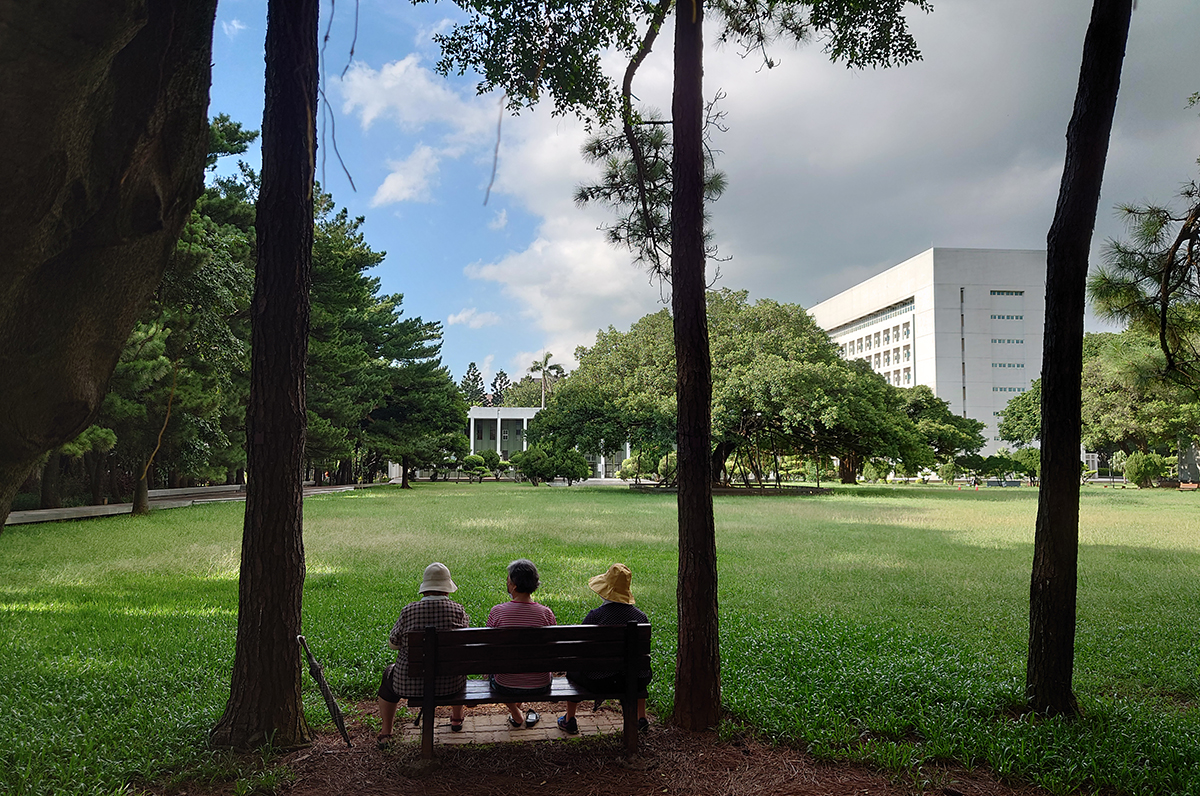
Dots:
(833, 175)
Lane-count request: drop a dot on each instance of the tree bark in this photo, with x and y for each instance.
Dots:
(100, 174)
(1053, 584)
(141, 490)
(52, 481)
(264, 701)
(404, 473)
(698, 671)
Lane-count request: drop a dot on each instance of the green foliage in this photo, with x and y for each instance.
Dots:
(667, 466)
(1143, 468)
(527, 392)
(535, 464)
(1028, 461)
(472, 386)
(947, 434)
(491, 460)
(1021, 418)
(581, 416)
(500, 385)
(572, 465)
(948, 472)
(473, 461)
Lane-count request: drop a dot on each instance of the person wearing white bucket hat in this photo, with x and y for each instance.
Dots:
(434, 609)
(614, 588)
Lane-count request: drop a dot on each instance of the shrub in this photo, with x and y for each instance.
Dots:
(1143, 468)
(666, 466)
(948, 472)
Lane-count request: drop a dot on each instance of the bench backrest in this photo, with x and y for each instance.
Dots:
(508, 650)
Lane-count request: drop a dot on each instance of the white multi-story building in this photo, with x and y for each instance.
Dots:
(966, 322)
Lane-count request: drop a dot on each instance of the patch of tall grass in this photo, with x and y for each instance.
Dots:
(878, 624)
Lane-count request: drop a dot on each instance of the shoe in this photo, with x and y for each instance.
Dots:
(569, 726)
(456, 727)
(383, 741)
(514, 724)
(643, 724)
(531, 718)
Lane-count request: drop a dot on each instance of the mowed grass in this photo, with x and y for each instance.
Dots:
(879, 624)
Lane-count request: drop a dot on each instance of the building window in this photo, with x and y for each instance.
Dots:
(1003, 341)
(1008, 317)
(860, 345)
(877, 362)
(887, 357)
(868, 342)
(1007, 365)
(877, 339)
(887, 336)
(907, 375)
(491, 432)
(504, 433)
(478, 431)
(907, 353)
(1008, 292)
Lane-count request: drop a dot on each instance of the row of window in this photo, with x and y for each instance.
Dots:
(893, 378)
(1008, 292)
(876, 317)
(1008, 389)
(492, 432)
(1007, 365)
(1004, 341)
(878, 340)
(1008, 317)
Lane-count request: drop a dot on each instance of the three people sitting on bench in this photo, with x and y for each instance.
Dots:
(521, 611)
(434, 609)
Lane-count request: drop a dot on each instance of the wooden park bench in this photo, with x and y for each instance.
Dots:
(557, 648)
(1188, 487)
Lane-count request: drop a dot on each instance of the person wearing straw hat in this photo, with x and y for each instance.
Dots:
(434, 609)
(617, 609)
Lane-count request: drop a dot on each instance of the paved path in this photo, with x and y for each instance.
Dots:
(494, 728)
(159, 499)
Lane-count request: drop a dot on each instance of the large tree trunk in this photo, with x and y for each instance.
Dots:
(404, 472)
(102, 161)
(264, 701)
(1056, 539)
(141, 490)
(698, 670)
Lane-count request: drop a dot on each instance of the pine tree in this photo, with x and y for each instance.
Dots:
(472, 386)
(500, 385)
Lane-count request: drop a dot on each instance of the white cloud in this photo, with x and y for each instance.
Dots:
(233, 27)
(499, 221)
(410, 178)
(414, 98)
(485, 370)
(472, 318)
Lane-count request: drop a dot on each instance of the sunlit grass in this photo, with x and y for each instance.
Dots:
(879, 623)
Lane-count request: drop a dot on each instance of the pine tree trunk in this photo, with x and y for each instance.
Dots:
(1053, 584)
(264, 701)
(51, 480)
(404, 473)
(698, 672)
(96, 463)
(141, 490)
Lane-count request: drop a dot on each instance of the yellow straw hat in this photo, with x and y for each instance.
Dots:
(614, 584)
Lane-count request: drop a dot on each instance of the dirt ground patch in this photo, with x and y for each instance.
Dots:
(670, 761)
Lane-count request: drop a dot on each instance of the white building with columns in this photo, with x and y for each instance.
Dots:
(504, 430)
(966, 322)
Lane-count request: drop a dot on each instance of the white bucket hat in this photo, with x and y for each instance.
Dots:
(437, 578)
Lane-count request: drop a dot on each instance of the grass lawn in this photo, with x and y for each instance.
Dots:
(881, 624)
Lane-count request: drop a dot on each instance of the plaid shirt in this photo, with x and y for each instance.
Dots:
(439, 612)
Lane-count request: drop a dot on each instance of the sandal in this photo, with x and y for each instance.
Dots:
(514, 724)
(531, 718)
(455, 727)
(383, 741)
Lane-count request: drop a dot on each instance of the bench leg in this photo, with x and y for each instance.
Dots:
(427, 734)
(629, 715)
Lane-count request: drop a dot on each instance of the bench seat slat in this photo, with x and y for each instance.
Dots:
(577, 649)
(535, 635)
(479, 692)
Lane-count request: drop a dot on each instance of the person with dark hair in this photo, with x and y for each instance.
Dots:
(617, 609)
(434, 609)
(521, 611)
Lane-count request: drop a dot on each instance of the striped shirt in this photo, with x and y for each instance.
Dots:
(434, 611)
(515, 614)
